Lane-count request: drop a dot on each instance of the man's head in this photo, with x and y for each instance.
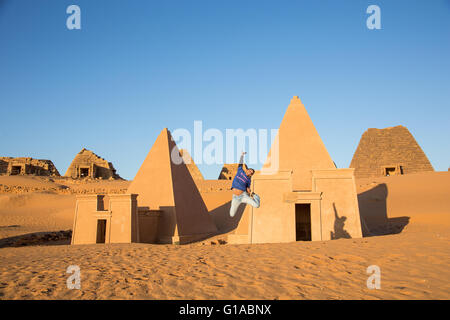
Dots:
(249, 172)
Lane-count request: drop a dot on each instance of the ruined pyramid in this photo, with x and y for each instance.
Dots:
(87, 164)
(164, 185)
(389, 151)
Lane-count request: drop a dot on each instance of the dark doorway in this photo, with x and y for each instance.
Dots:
(84, 172)
(303, 221)
(101, 230)
(15, 170)
(390, 172)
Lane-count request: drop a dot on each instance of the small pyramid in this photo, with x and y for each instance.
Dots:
(167, 186)
(300, 147)
(190, 164)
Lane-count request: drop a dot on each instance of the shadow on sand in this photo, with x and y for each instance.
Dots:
(38, 238)
(373, 211)
(222, 218)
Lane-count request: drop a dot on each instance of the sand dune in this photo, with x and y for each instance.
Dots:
(408, 228)
(35, 212)
(316, 270)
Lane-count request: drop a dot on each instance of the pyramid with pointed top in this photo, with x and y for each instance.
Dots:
(299, 147)
(190, 164)
(168, 186)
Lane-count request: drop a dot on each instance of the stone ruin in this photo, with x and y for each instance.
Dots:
(387, 152)
(87, 164)
(27, 166)
(228, 171)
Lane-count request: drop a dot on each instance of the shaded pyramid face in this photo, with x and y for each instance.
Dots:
(163, 184)
(192, 167)
(298, 147)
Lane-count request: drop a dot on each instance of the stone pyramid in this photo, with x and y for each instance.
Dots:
(299, 146)
(98, 166)
(167, 186)
(393, 147)
(190, 164)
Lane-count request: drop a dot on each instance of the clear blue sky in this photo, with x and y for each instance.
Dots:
(136, 67)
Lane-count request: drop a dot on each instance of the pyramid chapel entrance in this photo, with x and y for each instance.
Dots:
(16, 170)
(84, 172)
(101, 230)
(303, 221)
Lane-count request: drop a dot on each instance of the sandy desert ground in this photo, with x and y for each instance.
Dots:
(406, 221)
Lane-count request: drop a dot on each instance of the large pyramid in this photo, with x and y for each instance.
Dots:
(389, 151)
(299, 146)
(304, 197)
(167, 186)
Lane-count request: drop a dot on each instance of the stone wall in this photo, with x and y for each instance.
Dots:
(27, 166)
(389, 151)
(3, 166)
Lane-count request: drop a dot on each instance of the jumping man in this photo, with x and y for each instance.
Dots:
(241, 188)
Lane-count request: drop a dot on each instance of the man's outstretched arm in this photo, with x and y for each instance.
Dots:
(241, 161)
